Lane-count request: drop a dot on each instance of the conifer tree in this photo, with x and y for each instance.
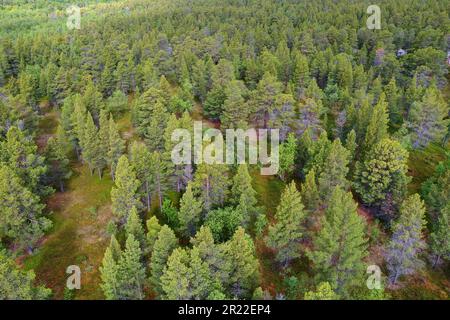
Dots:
(382, 173)
(350, 145)
(153, 132)
(91, 146)
(334, 170)
(264, 98)
(79, 123)
(123, 194)
(134, 227)
(17, 284)
(144, 108)
(116, 146)
(59, 163)
(108, 270)
(187, 276)
(20, 153)
(288, 153)
(153, 228)
(285, 234)
(323, 292)
(190, 212)
(235, 112)
(182, 173)
(393, 102)
(340, 246)
(378, 124)
(140, 160)
(440, 237)
(406, 242)
(131, 271)
(162, 249)
(21, 220)
(300, 74)
(103, 139)
(161, 173)
(243, 195)
(211, 184)
(310, 192)
(310, 112)
(428, 118)
(242, 265)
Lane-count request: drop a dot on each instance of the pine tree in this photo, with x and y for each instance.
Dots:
(17, 284)
(131, 271)
(235, 112)
(190, 212)
(288, 153)
(310, 192)
(350, 145)
(243, 195)
(153, 228)
(20, 153)
(242, 266)
(123, 194)
(140, 160)
(91, 146)
(21, 220)
(310, 112)
(103, 139)
(406, 242)
(264, 98)
(334, 170)
(59, 162)
(162, 249)
(108, 270)
(300, 74)
(427, 119)
(211, 184)
(212, 253)
(393, 102)
(440, 237)
(153, 132)
(187, 276)
(134, 227)
(285, 234)
(116, 146)
(323, 292)
(182, 173)
(175, 280)
(144, 108)
(378, 124)
(382, 173)
(340, 246)
(161, 173)
(79, 123)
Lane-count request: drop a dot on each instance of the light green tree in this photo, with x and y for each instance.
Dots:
(285, 234)
(340, 246)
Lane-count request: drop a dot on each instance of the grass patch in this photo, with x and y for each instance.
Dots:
(78, 236)
(422, 163)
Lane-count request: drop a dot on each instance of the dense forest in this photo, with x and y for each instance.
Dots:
(86, 176)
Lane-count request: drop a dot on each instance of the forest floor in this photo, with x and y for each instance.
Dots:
(78, 237)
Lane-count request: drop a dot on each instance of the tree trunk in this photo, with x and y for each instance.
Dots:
(437, 260)
(148, 195)
(159, 194)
